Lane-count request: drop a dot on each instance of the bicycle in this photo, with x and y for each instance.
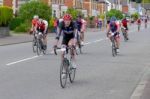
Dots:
(139, 27)
(37, 40)
(145, 25)
(79, 43)
(66, 68)
(114, 48)
(124, 32)
(34, 42)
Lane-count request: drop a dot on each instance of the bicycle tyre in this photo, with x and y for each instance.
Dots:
(34, 45)
(72, 73)
(64, 66)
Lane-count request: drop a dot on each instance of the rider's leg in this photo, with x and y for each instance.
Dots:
(117, 39)
(71, 44)
(82, 33)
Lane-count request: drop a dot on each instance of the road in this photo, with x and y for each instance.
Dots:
(23, 75)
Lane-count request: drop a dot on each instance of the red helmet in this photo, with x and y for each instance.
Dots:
(67, 17)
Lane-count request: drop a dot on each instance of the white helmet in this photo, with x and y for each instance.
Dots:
(36, 17)
(40, 20)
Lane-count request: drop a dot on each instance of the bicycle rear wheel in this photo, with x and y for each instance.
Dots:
(80, 47)
(64, 72)
(125, 37)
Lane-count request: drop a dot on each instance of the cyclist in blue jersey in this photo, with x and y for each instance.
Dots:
(113, 29)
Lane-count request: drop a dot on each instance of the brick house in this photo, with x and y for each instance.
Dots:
(88, 7)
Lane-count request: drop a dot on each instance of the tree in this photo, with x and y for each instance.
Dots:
(135, 16)
(113, 12)
(73, 12)
(145, 1)
(29, 9)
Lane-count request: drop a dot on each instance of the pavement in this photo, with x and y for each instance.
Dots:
(16, 38)
(24, 75)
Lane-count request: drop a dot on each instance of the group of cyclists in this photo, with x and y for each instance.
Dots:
(40, 25)
(72, 28)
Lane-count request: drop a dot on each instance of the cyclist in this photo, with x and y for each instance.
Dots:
(34, 23)
(69, 30)
(42, 26)
(114, 28)
(125, 26)
(139, 23)
(145, 21)
(80, 25)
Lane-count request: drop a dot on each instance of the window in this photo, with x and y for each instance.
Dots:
(1, 2)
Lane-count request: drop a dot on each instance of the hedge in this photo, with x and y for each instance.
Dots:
(15, 22)
(6, 14)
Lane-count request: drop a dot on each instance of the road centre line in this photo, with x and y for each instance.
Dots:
(26, 59)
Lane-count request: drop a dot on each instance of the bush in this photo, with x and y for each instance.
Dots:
(51, 22)
(6, 14)
(135, 16)
(15, 22)
(29, 9)
(24, 27)
(113, 12)
(91, 18)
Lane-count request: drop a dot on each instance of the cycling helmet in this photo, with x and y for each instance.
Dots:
(67, 17)
(113, 19)
(35, 17)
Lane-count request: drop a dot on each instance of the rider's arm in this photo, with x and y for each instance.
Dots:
(59, 30)
(118, 28)
(46, 26)
(75, 30)
(108, 29)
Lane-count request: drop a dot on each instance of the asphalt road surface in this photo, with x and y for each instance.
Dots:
(23, 75)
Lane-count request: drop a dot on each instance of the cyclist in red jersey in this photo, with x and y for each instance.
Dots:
(125, 25)
(42, 26)
(139, 23)
(34, 22)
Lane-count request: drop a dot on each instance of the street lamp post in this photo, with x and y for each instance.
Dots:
(105, 13)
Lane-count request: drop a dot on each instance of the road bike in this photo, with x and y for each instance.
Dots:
(38, 44)
(66, 68)
(124, 32)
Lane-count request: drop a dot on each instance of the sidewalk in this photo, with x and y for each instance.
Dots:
(18, 38)
(15, 39)
(146, 92)
(24, 38)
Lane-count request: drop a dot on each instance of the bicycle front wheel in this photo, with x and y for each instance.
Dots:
(38, 47)
(114, 53)
(34, 45)
(64, 73)
(72, 73)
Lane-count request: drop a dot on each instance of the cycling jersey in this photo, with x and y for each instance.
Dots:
(34, 22)
(40, 27)
(139, 21)
(113, 27)
(68, 32)
(79, 24)
(124, 23)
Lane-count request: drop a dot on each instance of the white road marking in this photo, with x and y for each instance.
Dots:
(22, 60)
